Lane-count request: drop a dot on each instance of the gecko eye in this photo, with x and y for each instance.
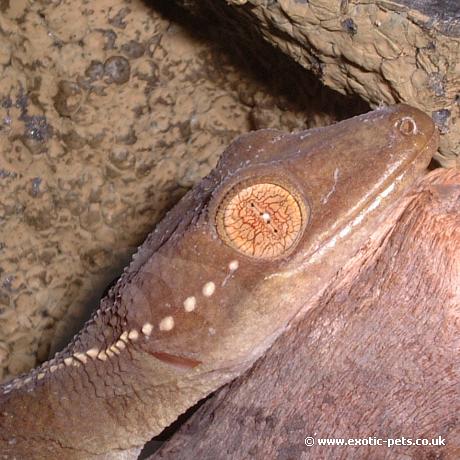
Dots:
(260, 219)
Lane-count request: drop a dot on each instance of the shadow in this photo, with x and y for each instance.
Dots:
(153, 445)
(237, 40)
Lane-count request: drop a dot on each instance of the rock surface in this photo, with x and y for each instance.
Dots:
(109, 112)
(385, 51)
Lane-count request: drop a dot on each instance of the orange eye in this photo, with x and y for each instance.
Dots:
(261, 219)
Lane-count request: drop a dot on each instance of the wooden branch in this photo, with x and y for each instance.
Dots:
(377, 358)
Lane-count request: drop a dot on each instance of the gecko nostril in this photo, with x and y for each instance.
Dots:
(407, 126)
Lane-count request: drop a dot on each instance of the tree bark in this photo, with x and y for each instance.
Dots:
(378, 358)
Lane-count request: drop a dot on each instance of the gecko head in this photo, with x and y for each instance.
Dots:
(231, 262)
(276, 204)
(281, 192)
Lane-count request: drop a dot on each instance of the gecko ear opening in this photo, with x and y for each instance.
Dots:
(262, 218)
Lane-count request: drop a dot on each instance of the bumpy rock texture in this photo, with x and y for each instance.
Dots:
(385, 51)
(109, 112)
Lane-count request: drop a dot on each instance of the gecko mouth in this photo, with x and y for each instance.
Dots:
(181, 362)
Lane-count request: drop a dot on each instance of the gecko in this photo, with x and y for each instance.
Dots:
(228, 269)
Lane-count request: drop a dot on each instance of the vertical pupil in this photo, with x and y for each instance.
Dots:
(262, 220)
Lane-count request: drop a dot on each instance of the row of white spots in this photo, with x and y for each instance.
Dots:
(79, 358)
(166, 324)
(190, 303)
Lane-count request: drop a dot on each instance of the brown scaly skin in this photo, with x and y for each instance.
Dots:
(192, 312)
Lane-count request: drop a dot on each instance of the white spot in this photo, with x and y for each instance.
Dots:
(52, 368)
(190, 304)
(359, 219)
(266, 217)
(375, 204)
(124, 336)
(92, 353)
(109, 352)
(167, 323)
(102, 355)
(120, 344)
(147, 329)
(114, 349)
(41, 375)
(233, 265)
(81, 357)
(388, 190)
(208, 289)
(211, 331)
(133, 334)
(68, 361)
